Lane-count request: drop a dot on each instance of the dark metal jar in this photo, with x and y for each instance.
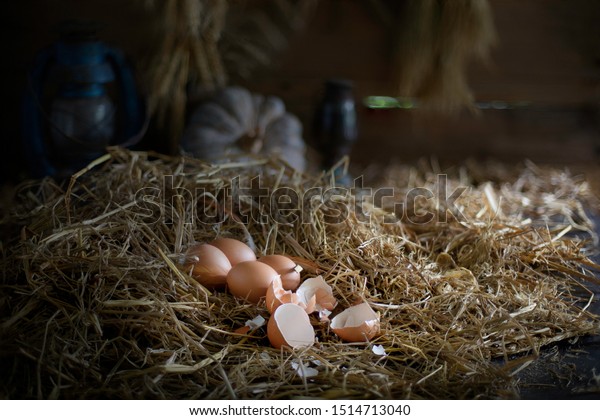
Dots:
(335, 124)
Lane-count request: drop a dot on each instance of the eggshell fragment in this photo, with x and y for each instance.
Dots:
(310, 266)
(236, 251)
(250, 279)
(304, 371)
(357, 323)
(287, 269)
(379, 350)
(208, 264)
(277, 296)
(315, 295)
(256, 322)
(289, 326)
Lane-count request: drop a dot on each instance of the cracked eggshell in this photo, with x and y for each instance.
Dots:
(277, 296)
(249, 280)
(236, 251)
(287, 269)
(289, 326)
(208, 264)
(315, 295)
(357, 323)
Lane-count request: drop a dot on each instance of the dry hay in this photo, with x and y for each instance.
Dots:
(95, 304)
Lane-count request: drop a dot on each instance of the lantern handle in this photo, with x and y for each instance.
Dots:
(34, 148)
(134, 122)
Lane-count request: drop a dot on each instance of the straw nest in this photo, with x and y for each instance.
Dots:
(95, 303)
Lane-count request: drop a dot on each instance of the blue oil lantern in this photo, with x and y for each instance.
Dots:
(81, 98)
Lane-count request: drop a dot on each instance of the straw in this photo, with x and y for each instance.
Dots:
(97, 302)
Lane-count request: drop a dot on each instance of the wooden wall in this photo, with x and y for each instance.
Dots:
(547, 54)
(535, 60)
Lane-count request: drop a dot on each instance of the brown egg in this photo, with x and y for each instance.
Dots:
(287, 269)
(289, 326)
(357, 323)
(250, 279)
(208, 264)
(235, 250)
(277, 296)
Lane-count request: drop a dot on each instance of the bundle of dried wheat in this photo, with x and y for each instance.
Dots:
(200, 43)
(435, 42)
(187, 52)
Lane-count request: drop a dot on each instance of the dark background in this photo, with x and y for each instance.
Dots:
(548, 54)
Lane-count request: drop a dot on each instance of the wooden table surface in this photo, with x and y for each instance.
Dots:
(569, 369)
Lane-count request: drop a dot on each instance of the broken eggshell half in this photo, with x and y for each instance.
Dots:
(289, 326)
(276, 295)
(358, 323)
(315, 294)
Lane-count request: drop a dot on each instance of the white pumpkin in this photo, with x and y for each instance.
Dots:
(235, 121)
